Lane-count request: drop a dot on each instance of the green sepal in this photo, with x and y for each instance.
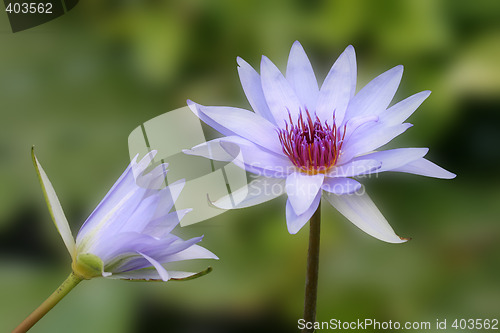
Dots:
(194, 276)
(88, 266)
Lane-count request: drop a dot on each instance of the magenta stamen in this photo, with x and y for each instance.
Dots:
(312, 146)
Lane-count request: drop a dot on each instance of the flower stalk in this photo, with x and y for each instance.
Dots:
(49, 303)
(311, 293)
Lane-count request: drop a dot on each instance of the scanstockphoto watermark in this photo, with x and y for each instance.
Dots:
(364, 324)
(369, 324)
(272, 188)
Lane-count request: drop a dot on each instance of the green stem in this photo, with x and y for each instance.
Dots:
(312, 270)
(49, 303)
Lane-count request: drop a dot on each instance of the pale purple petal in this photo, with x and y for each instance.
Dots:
(426, 168)
(395, 158)
(355, 168)
(258, 191)
(338, 87)
(243, 123)
(401, 111)
(353, 124)
(251, 83)
(370, 139)
(280, 96)
(121, 200)
(192, 252)
(250, 154)
(295, 222)
(212, 150)
(195, 108)
(162, 226)
(362, 212)
(302, 190)
(376, 95)
(300, 75)
(117, 207)
(340, 185)
(159, 268)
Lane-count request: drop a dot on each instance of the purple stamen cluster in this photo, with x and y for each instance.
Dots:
(312, 146)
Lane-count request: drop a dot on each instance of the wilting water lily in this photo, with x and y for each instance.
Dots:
(306, 141)
(130, 230)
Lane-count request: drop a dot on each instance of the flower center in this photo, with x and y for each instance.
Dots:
(311, 145)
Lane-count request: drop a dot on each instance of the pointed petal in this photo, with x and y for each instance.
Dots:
(426, 168)
(252, 86)
(300, 75)
(162, 226)
(55, 209)
(212, 150)
(341, 185)
(362, 212)
(295, 222)
(338, 88)
(376, 95)
(302, 189)
(280, 96)
(159, 268)
(355, 168)
(395, 158)
(370, 139)
(192, 252)
(252, 155)
(259, 190)
(401, 111)
(243, 123)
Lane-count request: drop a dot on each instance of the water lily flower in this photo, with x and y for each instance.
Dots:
(309, 141)
(128, 236)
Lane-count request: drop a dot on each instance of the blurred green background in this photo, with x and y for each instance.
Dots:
(77, 86)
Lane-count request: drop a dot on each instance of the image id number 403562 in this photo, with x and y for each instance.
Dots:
(29, 7)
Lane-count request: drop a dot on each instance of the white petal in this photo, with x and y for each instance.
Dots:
(302, 189)
(355, 168)
(250, 81)
(159, 268)
(362, 212)
(280, 96)
(55, 209)
(243, 123)
(300, 74)
(338, 87)
(425, 167)
(395, 158)
(259, 190)
(376, 95)
(295, 222)
(341, 185)
(401, 111)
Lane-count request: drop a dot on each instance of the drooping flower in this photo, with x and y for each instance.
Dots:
(306, 141)
(128, 236)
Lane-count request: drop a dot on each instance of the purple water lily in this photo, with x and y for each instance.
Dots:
(128, 236)
(307, 141)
